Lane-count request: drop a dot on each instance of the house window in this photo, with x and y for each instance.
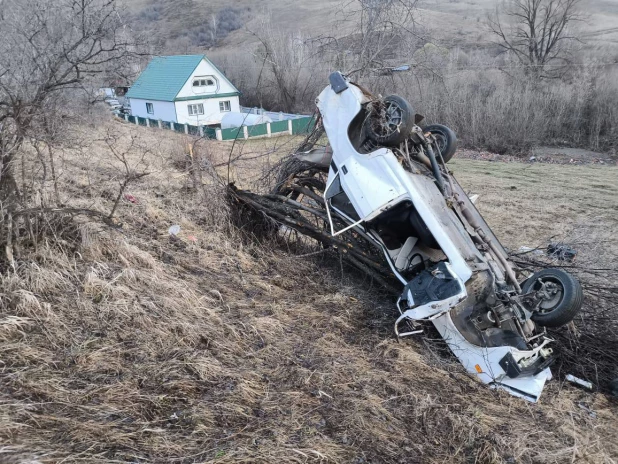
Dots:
(195, 110)
(149, 108)
(203, 82)
(225, 106)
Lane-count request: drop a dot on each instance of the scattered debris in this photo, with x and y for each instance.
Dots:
(174, 230)
(590, 412)
(561, 252)
(130, 198)
(577, 381)
(530, 250)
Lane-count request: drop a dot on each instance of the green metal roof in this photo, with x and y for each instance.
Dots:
(164, 77)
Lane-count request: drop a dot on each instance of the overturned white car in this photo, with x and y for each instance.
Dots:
(388, 183)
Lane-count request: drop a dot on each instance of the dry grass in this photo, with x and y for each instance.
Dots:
(139, 347)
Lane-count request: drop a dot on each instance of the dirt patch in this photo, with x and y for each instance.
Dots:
(546, 155)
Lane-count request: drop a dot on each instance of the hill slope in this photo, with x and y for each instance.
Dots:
(131, 345)
(446, 22)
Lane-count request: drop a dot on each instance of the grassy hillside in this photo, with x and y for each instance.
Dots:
(447, 22)
(126, 344)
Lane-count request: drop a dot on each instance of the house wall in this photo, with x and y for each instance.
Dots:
(212, 114)
(165, 111)
(205, 68)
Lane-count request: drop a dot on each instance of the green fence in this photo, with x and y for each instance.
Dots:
(259, 130)
(210, 132)
(302, 125)
(231, 134)
(299, 126)
(278, 126)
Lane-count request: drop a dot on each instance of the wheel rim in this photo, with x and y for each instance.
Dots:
(388, 120)
(550, 292)
(440, 141)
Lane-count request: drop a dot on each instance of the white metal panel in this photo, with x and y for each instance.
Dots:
(376, 181)
(488, 359)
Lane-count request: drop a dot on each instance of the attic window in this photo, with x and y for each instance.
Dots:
(203, 82)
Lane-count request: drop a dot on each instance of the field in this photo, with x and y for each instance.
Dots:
(127, 344)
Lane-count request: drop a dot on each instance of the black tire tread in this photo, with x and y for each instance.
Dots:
(573, 298)
(450, 133)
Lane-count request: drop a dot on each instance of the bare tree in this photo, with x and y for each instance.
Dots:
(49, 53)
(384, 32)
(289, 63)
(537, 32)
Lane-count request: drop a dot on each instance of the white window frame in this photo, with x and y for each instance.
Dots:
(195, 109)
(148, 104)
(225, 106)
(204, 81)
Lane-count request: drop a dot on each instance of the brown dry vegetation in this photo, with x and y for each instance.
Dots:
(128, 345)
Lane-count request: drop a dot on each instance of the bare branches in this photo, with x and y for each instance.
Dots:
(128, 172)
(48, 49)
(537, 32)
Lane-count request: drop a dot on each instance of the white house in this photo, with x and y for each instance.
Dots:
(187, 89)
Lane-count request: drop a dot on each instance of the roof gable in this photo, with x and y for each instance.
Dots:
(164, 77)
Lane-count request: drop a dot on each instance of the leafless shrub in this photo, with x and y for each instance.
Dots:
(129, 171)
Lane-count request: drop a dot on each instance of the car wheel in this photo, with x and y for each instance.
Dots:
(390, 121)
(558, 296)
(445, 138)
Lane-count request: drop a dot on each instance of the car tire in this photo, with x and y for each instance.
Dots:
(568, 299)
(396, 130)
(446, 139)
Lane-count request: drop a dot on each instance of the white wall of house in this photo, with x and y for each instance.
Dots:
(165, 111)
(212, 112)
(206, 70)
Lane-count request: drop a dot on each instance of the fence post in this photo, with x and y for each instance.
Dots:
(160, 124)
(137, 120)
(218, 134)
(126, 117)
(245, 132)
(201, 129)
(290, 127)
(147, 122)
(280, 115)
(268, 133)
(186, 128)
(171, 125)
